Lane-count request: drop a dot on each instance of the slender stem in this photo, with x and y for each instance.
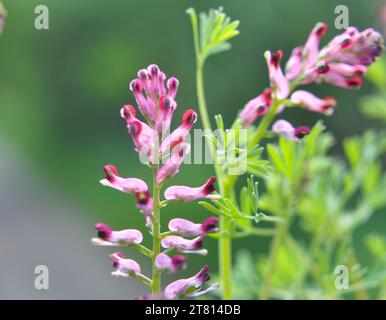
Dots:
(145, 251)
(156, 283)
(225, 258)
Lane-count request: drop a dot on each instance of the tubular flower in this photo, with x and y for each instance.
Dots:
(172, 165)
(108, 237)
(188, 228)
(145, 205)
(165, 113)
(187, 194)
(188, 120)
(124, 267)
(145, 139)
(313, 103)
(128, 185)
(190, 287)
(285, 129)
(170, 264)
(185, 246)
(279, 83)
(256, 108)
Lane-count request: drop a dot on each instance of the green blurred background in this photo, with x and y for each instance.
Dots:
(61, 89)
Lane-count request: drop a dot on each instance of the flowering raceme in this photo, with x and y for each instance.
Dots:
(157, 104)
(342, 62)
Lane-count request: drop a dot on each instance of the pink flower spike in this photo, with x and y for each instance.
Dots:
(185, 246)
(127, 185)
(279, 83)
(108, 237)
(124, 267)
(172, 165)
(311, 48)
(184, 287)
(188, 120)
(188, 228)
(166, 107)
(256, 108)
(285, 129)
(187, 194)
(313, 103)
(170, 264)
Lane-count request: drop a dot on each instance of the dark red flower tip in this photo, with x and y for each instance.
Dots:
(110, 172)
(172, 84)
(346, 43)
(115, 260)
(267, 94)
(142, 197)
(210, 225)
(276, 58)
(154, 70)
(136, 85)
(321, 30)
(179, 262)
(143, 75)
(135, 128)
(203, 275)
(301, 132)
(189, 117)
(166, 103)
(354, 82)
(104, 231)
(129, 111)
(323, 68)
(209, 185)
(329, 102)
(261, 110)
(199, 243)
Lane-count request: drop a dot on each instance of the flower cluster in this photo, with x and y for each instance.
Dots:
(342, 62)
(164, 153)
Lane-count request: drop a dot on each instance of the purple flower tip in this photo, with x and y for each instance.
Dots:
(210, 225)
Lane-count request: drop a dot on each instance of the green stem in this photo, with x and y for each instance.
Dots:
(156, 283)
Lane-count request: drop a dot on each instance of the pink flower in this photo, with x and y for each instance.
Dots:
(170, 264)
(145, 138)
(190, 287)
(189, 118)
(128, 185)
(256, 108)
(311, 48)
(145, 205)
(187, 194)
(124, 267)
(188, 228)
(108, 237)
(149, 88)
(285, 129)
(279, 83)
(165, 113)
(184, 245)
(313, 103)
(293, 67)
(172, 165)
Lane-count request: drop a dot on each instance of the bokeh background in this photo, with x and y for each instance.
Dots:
(60, 94)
